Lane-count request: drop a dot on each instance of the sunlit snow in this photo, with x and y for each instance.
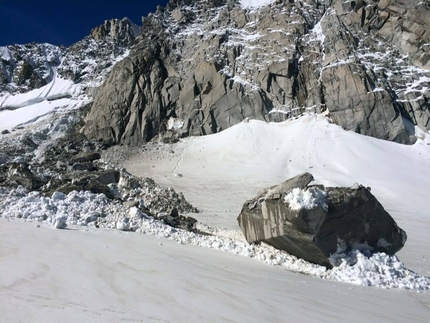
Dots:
(25, 107)
(306, 198)
(255, 3)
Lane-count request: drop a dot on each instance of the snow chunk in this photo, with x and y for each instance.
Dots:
(58, 196)
(136, 213)
(175, 123)
(379, 270)
(60, 223)
(306, 199)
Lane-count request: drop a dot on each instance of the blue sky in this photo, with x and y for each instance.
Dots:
(64, 21)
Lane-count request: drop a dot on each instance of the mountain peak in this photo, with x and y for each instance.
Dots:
(120, 31)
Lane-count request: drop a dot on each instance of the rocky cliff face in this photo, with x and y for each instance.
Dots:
(202, 66)
(31, 66)
(90, 60)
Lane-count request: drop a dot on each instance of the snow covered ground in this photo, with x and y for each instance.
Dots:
(93, 276)
(219, 172)
(161, 275)
(27, 107)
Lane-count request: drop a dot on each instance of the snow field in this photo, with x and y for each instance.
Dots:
(220, 172)
(60, 94)
(58, 88)
(84, 208)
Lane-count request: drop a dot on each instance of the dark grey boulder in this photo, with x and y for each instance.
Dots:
(92, 186)
(312, 222)
(96, 182)
(110, 176)
(83, 167)
(84, 157)
(99, 188)
(29, 142)
(174, 219)
(4, 159)
(20, 174)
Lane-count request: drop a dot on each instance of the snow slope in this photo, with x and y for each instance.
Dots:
(219, 172)
(92, 276)
(24, 107)
(108, 276)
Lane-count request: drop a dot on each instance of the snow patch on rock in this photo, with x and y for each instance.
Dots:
(255, 3)
(308, 198)
(175, 123)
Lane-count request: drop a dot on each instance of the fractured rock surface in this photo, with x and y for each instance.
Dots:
(314, 222)
(200, 67)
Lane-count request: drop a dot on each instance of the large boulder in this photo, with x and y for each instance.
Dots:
(86, 157)
(313, 221)
(95, 182)
(109, 176)
(21, 174)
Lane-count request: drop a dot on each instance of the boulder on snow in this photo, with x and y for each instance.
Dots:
(174, 219)
(312, 221)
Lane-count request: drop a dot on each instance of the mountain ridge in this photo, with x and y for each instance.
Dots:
(212, 65)
(30, 66)
(199, 67)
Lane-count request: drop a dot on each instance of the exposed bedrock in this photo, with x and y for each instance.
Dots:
(200, 67)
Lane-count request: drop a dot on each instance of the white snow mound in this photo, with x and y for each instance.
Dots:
(306, 198)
